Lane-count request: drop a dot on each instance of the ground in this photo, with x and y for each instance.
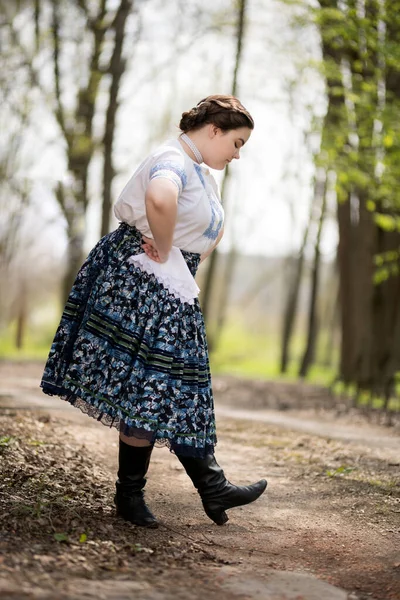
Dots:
(331, 513)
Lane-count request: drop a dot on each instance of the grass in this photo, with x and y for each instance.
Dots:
(241, 351)
(256, 354)
(36, 346)
(365, 399)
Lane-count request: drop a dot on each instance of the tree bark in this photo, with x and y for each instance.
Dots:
(116, 69)
(210, 276)
(364, 64)
(333, 156)
(295, 267)
(309, 352)
(22, 314)
(332, 323)
(79, 138)
(344, 259)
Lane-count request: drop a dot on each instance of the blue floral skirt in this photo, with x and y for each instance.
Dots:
(131, 355)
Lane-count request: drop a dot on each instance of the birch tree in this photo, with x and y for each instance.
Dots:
(72, 43)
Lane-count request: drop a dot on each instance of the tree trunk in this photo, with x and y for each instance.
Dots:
(364, 58)
(212, 270)
(333, 150)
(78, 134)
(295, 267)
(387, 301)
(344, 259)
(332, 326)
(22, 315)
(74, 256)
(75, 218)
(363, 290)
(309, 352)
(116, 69)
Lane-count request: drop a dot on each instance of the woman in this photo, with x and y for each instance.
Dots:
(131, 349)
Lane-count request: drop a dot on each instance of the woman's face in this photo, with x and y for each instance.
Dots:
(224, 146)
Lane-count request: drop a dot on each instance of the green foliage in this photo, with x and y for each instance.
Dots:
(81, 148)
(387, 222)
(383, 273)
(252, 354)
(387, 265)
(375, 402)
(37, 341)
(61, 537)
(354, 107)
(5, 440)
(138, 548)
(340, 471)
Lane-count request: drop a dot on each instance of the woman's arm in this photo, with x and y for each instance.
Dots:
(217, 241)
(161, 209)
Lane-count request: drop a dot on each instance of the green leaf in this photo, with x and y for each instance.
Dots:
(388, 140)
(371, 206)
(82, 538)
(342, 470)
(5, 440)
(387, 222)
(61, 537)
(381, 275)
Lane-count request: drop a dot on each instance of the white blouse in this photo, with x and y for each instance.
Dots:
(200, 214)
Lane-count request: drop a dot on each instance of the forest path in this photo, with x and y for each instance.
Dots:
(22, 391)
(326, 529)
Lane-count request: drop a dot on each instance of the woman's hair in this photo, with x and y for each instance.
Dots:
(226, 112)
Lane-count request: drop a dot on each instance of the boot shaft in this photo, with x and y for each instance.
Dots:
(133, 464)
(129, 500)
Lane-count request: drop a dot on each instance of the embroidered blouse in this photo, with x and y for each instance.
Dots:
(200, 214)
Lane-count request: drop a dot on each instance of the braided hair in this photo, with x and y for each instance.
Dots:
(226, 112)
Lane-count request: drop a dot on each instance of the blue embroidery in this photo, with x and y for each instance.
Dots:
(200, 174)
(171, 171)
(217, 216)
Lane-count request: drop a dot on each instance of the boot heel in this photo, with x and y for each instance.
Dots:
(219, 516)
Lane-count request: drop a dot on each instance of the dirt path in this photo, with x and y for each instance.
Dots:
(376, 441)
(380, 441)
(331, 514)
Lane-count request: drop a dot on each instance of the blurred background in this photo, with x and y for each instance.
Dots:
(306, 281)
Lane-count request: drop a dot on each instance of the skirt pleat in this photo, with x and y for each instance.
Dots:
(130, 354)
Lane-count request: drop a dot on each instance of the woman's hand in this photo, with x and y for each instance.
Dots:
(150, 248)
(161, 200)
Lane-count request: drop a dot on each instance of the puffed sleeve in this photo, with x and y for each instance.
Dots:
(169, 164)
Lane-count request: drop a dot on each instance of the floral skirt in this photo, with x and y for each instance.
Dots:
(130, 354)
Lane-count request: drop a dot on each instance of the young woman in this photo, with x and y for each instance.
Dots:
(131, 348)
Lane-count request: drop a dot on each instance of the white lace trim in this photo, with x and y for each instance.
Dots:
(174, 274)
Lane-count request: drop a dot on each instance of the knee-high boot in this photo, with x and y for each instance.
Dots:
(216, 492)
(133, 465)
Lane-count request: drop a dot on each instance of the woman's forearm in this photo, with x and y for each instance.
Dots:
(161, 210)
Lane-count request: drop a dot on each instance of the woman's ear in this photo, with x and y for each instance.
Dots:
(212, 130)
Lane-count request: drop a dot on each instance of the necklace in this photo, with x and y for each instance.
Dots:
(193, 147)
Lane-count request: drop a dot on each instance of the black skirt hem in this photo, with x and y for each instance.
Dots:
(113, 421)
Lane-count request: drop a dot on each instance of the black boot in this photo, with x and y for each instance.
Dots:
(216, 492)
(133, 464)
